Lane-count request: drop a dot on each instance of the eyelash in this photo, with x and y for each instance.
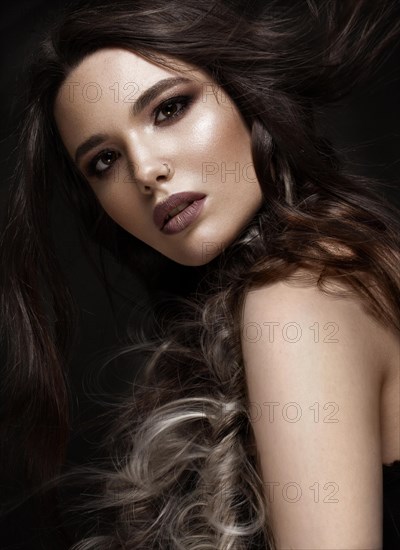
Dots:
(186, 102)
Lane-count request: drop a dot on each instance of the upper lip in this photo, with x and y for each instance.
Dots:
(162, 209)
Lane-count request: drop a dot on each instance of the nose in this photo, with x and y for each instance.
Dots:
(150, 176)
(149, 169)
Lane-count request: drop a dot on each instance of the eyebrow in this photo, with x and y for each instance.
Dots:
(137, 107)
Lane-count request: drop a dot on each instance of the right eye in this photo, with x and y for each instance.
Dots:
(102, 163)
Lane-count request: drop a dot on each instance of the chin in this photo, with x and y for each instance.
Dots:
(203, 253)
(194, 261)
(201, 257)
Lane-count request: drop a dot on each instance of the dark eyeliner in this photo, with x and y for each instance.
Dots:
(91, 167)
(186, 100)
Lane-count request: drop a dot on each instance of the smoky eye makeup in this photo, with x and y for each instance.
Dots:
(184, 100)
(107, 158)
(165, 113)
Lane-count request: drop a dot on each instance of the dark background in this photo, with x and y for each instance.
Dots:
(101, 324)
(367, 130)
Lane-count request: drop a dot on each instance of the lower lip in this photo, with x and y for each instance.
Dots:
(182, 220)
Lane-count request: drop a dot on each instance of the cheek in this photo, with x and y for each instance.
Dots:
(121, 206)
(232, 138)
(202, 137)
(216, 131)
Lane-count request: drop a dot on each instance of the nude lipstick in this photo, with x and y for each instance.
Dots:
(178, 211)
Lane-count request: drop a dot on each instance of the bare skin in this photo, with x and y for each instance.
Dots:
(353, 379)
(207, 149)
(323, 381)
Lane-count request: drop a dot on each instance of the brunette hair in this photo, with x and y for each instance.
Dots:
(186, 473)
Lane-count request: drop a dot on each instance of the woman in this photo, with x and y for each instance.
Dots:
(269, 405)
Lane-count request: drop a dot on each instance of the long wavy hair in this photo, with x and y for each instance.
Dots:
(186, 472)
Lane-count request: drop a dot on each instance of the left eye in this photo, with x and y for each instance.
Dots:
(169, 109)
(103, 162)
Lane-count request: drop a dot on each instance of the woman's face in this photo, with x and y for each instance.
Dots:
(138, 146)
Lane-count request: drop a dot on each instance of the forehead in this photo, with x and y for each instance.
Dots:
(107, 77)
(117, 61)
(109, 70)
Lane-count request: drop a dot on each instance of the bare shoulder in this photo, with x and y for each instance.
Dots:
(290, 311)
(315, 364)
